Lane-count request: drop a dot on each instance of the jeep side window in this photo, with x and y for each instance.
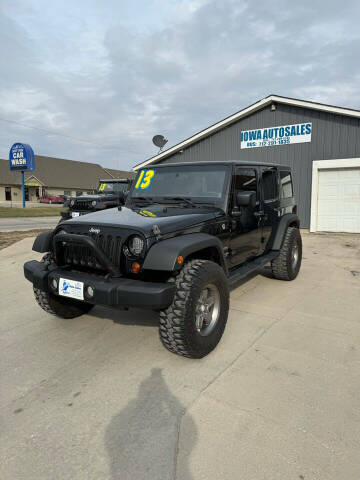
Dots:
(286, 184)
(270, 185)
(245, 179)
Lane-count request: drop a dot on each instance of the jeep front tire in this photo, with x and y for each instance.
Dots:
(193, 324)
(60, 306)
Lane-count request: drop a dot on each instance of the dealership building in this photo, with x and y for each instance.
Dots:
(54, 176)
(320, 142)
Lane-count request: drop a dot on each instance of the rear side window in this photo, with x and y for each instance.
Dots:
(270, 185)
(286, 184)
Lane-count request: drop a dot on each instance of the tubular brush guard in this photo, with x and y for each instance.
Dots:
(83, 240)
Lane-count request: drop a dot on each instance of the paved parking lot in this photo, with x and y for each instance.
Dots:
(99, 398)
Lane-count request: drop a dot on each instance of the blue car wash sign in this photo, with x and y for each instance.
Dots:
(273, 136)
(21, 157)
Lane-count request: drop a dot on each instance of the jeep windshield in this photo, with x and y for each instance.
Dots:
(111, 187)
(187, 184)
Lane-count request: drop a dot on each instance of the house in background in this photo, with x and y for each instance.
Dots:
(55, 176)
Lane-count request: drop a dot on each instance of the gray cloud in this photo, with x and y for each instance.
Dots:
(114, 77)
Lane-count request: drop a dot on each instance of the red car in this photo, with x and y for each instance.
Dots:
(51, 199)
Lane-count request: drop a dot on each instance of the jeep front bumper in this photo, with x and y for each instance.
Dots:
(67, 214)
(113, 291)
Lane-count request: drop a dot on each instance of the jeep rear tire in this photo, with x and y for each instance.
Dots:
(59, 306)
(287, 265)
(193, 324)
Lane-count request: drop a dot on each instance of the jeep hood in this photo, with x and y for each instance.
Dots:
(143, 219)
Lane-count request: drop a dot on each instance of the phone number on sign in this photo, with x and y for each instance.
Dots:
(269, 143)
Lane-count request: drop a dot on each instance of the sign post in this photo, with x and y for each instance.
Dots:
(22, 158)
(23, 187)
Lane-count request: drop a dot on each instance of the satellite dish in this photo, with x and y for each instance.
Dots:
(159, 141)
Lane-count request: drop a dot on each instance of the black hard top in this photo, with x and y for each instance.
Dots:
(229, 162)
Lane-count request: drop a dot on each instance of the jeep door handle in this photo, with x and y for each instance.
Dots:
(259, 214)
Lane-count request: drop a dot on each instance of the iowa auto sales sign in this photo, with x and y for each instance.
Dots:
(273, 136)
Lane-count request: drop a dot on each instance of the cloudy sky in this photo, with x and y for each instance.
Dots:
(94, 80)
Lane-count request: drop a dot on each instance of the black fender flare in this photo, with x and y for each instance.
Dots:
(163, 255)
(277, 236)
(43, 242)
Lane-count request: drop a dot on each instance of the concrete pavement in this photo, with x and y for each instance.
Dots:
(29, 204)
(99, 398)
(27, 223)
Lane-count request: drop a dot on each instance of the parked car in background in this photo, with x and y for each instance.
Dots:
(65, 198)
(110, 193)
(51, 199)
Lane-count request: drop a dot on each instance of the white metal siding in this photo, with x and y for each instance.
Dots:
(338, 207)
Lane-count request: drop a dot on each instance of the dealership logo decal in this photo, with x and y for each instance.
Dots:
(273, 136)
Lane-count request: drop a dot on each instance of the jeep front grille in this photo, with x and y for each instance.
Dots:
(83, 205)
(81, 256)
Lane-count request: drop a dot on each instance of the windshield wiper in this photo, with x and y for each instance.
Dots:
(182, 199)
(144, 200)
(141, 199)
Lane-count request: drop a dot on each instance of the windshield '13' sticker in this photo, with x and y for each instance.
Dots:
(102, 187)
(144, 180)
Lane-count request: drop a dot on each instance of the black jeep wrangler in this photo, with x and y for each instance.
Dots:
(110, 193)
(186, 234)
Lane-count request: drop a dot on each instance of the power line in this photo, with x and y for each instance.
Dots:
(70, 137)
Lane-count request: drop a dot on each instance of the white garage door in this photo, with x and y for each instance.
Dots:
(339, 200)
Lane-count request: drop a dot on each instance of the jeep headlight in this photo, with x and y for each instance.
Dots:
(72, 203)
(134, 246)
(61, 232)
(93, 203)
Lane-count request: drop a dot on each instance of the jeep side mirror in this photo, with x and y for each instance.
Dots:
(122, 197)
(245, 198)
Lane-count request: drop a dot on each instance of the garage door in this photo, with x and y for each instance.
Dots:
(339, 200)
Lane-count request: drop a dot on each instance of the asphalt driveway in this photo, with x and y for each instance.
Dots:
(99, 398)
